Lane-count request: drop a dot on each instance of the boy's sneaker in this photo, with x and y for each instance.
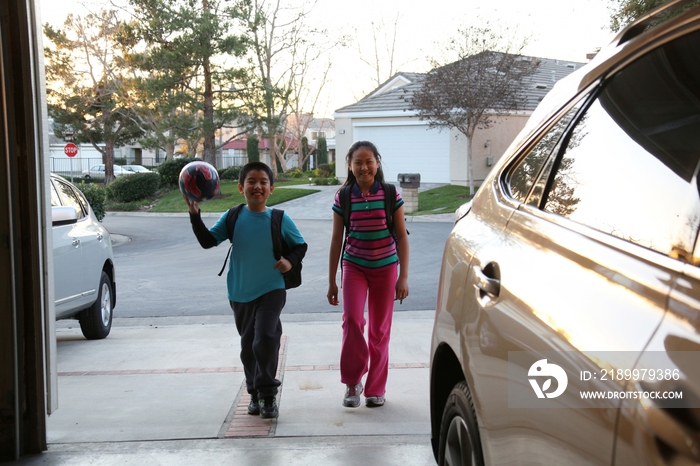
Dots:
(254, 406)
(268, 408)
(352, 395)
(374, 401)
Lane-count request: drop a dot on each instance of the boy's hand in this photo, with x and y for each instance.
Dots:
(332, 294)
(283, 265)
(193, 206)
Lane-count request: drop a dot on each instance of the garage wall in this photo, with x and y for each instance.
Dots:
(410, 148)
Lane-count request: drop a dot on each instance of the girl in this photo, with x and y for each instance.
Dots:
(370, 263)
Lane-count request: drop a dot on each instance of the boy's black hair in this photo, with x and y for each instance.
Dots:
(348, 159)
(257, 166)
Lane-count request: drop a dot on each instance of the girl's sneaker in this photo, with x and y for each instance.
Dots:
(374, 401)
(352, 395)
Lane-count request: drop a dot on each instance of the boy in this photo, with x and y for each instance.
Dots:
(255, 284)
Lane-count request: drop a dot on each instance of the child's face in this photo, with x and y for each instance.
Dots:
(364, 165)
(256, 189)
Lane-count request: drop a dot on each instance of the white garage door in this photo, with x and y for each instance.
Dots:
(410, 149)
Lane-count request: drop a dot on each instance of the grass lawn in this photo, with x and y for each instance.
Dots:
(173, 202)
(442, 200)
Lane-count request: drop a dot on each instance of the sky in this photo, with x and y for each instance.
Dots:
(558, 29)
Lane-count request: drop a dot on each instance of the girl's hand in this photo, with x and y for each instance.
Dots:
(332, 294)
(193, 206)
(283, 265)
(401, 289)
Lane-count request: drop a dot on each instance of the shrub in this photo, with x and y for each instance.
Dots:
(133, 187)
(96, 195)
(325, 170)
(170, 170)
(295, 173)
(281, 176)
(326, 181)
(120, 161)
(127, 206)
(230, 173)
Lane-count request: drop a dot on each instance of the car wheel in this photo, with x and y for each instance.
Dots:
(96, 321)
(459, 434)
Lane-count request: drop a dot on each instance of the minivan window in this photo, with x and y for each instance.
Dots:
(630, 164)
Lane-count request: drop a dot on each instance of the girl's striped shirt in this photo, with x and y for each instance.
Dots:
(369, 242)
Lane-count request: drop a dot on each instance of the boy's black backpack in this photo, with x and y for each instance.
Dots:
(389, 207)
(292, 278)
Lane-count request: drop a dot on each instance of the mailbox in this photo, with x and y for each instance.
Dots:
(409, 180)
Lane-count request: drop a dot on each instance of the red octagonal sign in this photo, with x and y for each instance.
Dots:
(70, 149)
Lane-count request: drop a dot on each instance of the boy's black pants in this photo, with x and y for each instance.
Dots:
(258, 324)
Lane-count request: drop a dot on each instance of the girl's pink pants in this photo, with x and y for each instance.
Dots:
(358, 356)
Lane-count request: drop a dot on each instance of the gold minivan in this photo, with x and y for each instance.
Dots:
(567, 328)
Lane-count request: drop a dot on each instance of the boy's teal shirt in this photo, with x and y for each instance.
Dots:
(251, 271)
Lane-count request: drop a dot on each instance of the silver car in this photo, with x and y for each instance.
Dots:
(98, 171)
(135, 168)
(567, 328)
(85, 284)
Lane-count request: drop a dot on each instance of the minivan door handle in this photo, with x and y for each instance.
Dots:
(76, 242)
(485, 283)
(488, 283)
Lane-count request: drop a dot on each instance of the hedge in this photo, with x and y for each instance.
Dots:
(133, 187)
(96, 194)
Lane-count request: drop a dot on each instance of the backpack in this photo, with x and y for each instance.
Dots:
(389, 207)
(292, 278)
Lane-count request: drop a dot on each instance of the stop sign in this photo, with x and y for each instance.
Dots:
(70, 149)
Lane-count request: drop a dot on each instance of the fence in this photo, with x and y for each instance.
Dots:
(76, 166)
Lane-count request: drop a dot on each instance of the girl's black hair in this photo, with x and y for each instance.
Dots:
(258, 166)
(348, 160)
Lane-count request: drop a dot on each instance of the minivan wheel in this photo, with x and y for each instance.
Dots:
(459, 434)
(96, 321)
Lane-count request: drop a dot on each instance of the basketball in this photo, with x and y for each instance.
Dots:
(199, 181)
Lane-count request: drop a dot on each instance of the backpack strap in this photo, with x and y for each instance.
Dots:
(276, 225)
(345, 206)
(389, 205)
(231, 217)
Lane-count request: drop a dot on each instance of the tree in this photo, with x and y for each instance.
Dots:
(252, 149)
(626, 11)
(485, 81)
(382, 60)
(84, 84)
(304, 154)
(321, 151)
(283, 50)
(182, 50)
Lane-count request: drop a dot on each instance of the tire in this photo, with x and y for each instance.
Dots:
(459, 434)
(96, 321)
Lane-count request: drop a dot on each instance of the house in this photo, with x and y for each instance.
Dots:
(322, 128)
(408, 145)
(235, 152)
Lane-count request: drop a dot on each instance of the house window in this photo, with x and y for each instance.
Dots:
(317, 134)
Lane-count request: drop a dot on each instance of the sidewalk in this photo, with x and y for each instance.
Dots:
(171, 391)
(315, 206)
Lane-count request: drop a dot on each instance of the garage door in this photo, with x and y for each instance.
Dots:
(410, 149)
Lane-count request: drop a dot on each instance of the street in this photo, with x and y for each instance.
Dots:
(164, 272)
